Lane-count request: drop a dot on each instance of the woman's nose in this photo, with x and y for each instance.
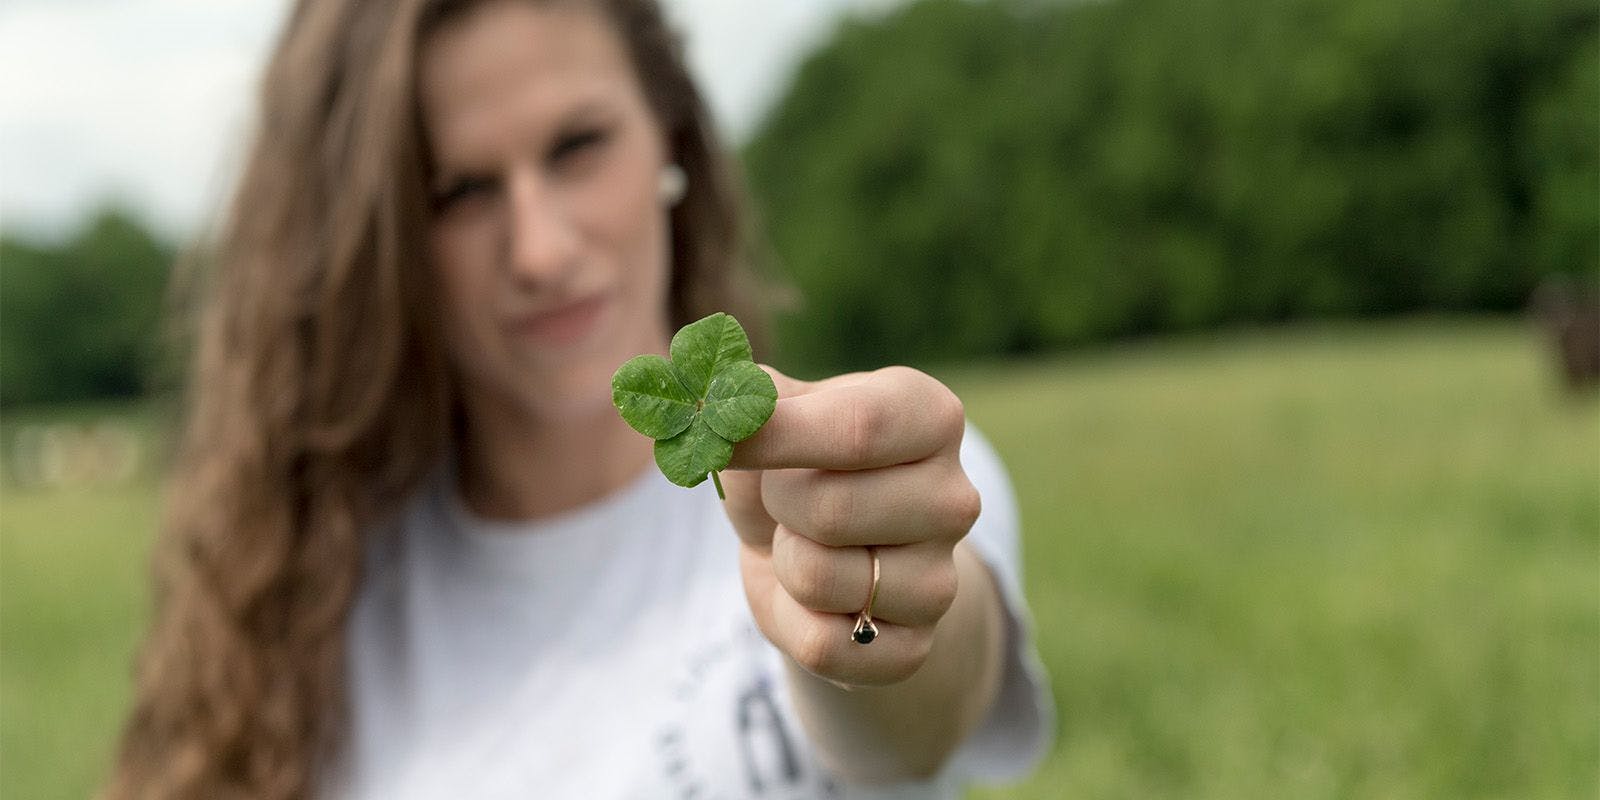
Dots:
(543, 244)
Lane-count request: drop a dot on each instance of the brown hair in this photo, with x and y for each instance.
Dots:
(319, 393)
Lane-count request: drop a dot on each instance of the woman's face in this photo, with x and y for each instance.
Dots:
(548, 232)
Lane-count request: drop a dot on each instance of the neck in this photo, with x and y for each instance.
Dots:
(514, 466)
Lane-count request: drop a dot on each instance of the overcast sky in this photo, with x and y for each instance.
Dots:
(146, 100)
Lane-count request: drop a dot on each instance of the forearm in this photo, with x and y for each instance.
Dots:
(907, 730)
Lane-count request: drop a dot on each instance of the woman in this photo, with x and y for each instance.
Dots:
(412, 551)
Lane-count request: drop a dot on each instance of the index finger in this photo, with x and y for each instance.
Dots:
(895, 415)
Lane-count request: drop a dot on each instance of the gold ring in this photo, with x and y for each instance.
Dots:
(865, 631)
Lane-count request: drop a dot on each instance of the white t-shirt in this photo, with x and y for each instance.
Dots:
(609, 653)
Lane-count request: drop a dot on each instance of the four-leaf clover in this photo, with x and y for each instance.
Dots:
(697, 405)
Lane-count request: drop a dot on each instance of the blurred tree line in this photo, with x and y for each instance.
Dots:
(80, 318)
(968, 178)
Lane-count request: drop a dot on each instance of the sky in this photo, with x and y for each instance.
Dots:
(147, 101)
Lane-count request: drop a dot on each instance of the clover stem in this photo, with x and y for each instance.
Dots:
(718, 481)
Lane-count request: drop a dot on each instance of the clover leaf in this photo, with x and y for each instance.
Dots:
(697, 404)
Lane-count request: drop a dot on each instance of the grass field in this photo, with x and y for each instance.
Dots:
(1361, 563)
(1338, 563)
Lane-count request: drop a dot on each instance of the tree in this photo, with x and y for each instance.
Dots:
(964, 178)
(80, 319)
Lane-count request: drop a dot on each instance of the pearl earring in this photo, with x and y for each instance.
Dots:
(674, 184)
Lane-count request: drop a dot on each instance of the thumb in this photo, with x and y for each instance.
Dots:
(787, 386)
(744, 506)
(793, 422)
(794, 387)
(743, 487)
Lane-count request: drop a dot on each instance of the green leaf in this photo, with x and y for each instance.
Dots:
(702, 347)
(651, 398)
(696, 405)
(686, 458)
(739, 400)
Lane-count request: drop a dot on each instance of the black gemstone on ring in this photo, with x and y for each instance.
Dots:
(864, 633)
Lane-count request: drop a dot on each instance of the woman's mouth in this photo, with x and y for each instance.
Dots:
(561, 325)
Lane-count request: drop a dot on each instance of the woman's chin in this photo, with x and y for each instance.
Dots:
(568, 398)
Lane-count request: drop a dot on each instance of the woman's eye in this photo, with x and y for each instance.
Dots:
(461, 190)
(574, 144)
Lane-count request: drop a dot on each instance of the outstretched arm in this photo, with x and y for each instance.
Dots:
(850, 468)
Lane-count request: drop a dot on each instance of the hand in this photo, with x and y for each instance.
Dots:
(865, 459)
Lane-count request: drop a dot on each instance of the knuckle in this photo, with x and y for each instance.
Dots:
(865, 423)
(902, 374)
(946, 411)
(814, 580)
(951, 414)
(965, 506)
(814, 650)
(832, 509)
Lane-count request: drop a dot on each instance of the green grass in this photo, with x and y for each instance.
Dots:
(1353, 563)
(1344, 563)
(73, 600)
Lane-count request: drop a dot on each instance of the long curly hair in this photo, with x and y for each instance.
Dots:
(319, 395)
